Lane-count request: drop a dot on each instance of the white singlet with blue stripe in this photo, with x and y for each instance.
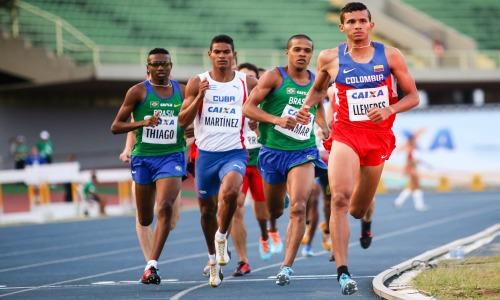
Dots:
(218, 126)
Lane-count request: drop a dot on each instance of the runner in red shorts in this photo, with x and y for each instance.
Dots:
(251, 181)
(364, 73)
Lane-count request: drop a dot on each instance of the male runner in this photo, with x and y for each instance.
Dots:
(251, 181)
(364, 73)
(158, 160)
(214, 101)
(289, 154)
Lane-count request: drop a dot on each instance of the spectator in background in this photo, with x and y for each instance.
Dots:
(91, 193)
(413, 177)
(45, 147)
(438, 49)
(19, 150)
(35, 158)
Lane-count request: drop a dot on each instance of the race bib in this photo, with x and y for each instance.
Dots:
(360, 101)
(165, 133)
(222, 118)
(300, 132)
(251, 140)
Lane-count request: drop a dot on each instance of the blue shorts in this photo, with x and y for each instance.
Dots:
(148, 169)
(275, 164)
(211, 167)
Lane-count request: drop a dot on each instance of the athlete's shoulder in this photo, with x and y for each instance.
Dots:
(137, 90)
(271, 77)
(394, 56)
(329, 54)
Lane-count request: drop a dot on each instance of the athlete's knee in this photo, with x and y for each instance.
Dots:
(144, 220)
(340, 201)
(298, 210)
(165, 209)
(357, 212)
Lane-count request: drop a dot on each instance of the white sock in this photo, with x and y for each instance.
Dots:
(402, 197)
(418, 199)
(220, 236)
(211, 258)
(152, 263)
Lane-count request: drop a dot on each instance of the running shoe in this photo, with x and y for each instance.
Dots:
(264, 249)
(307, 251)
(221, 254)
(283, 277)
(241, 269)
(366, 239)
(151, 276)
(276, 243)
(326, 242)
(216, 275)
(206, 270)
(347, 285)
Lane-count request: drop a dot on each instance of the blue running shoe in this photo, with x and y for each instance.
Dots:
(307, 251)
(347, 285)
(283, 277)
(276, 243)
(287, 201)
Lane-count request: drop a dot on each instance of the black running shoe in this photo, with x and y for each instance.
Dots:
(366, 239)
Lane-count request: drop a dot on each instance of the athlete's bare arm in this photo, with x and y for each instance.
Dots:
(405, 81)
(134, 96)
(129, 144)
(327, 69)
(269, 81)
(321, 121)
(195, 92)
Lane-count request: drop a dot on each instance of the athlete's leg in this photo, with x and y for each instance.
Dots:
(260, 209)
(176, 211)
(342, 178)
(167, 191)
(208, 220)
(300, 183)
(238, 230)
(228, 199)
(364, 192)
(312, 213)
(274, 194)
(262, 215)
(418, 196)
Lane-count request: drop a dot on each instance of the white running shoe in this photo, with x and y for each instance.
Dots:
(206, 270)
(215, 275)
(221, 254)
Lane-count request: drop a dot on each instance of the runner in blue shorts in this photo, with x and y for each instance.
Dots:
(214, 101)
(289, 155)
(158, 161)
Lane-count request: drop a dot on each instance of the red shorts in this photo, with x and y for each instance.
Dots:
(373, 147)
(253, 180)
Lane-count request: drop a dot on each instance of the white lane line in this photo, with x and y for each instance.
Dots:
(177, 281)
(183, 292)
(173, 260)
(82, 257)
(381, 237)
